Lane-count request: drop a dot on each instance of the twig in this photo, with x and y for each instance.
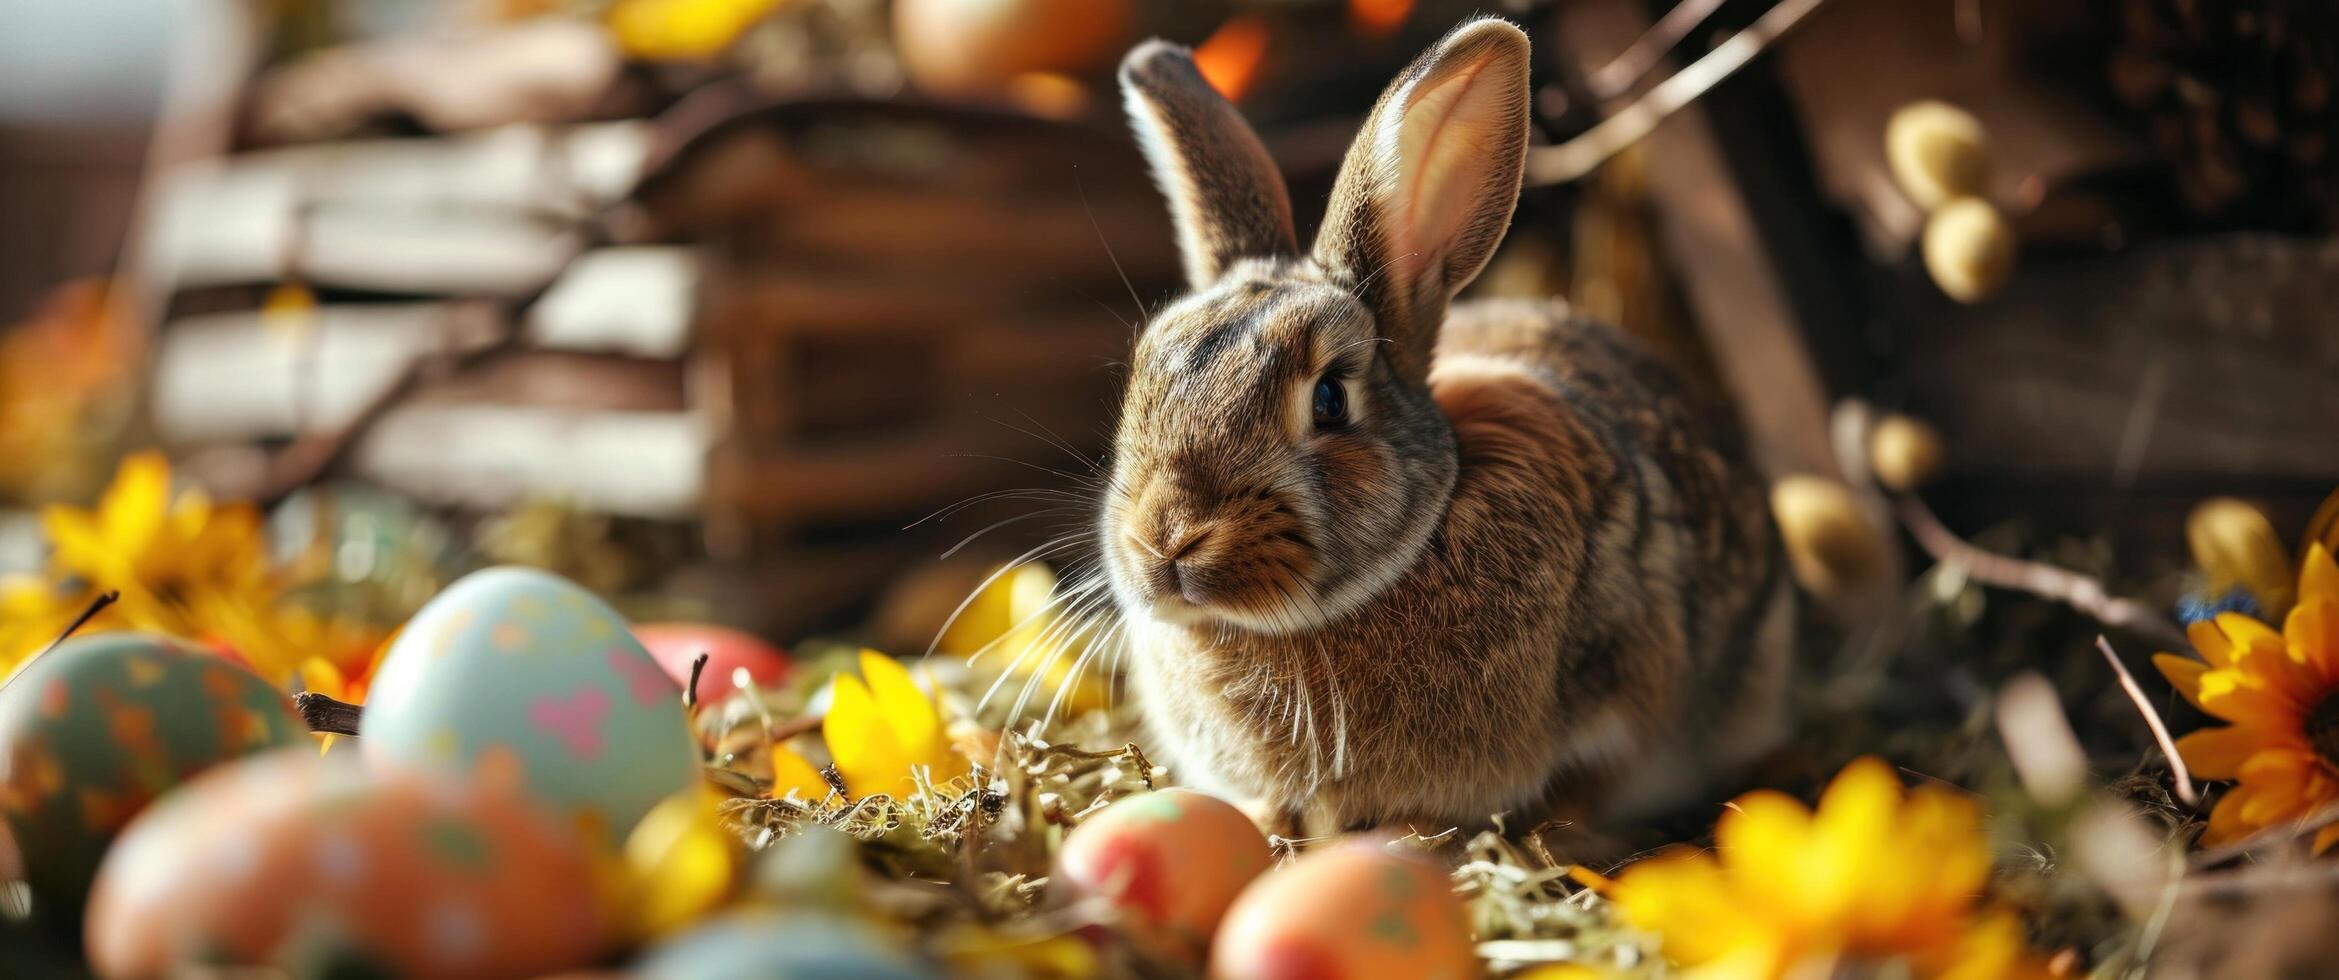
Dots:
(1573, 159)
(2081, 592)
(323, 714)
(1619, 76)
(2168, 746)
(96, 606)
(698, 664)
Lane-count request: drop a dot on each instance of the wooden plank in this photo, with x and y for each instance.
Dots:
(634, 301)
(489, 457)
(231, 376)
(2177, 362)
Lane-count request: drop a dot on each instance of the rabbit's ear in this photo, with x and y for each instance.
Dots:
(1224, 192)
(1428, 188)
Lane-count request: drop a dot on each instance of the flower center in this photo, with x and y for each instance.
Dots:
(2323, 729)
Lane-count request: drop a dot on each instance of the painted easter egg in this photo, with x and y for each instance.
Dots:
(527, 664)
(1170, 862)
(735, 659)
(1351, 912)
(796, 945)
(294, 861)
(94, 729)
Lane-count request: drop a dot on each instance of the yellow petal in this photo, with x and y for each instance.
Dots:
(2326, 837)
(916, 724)
(2318, 575)
(986, 617)
(682, 863)
(2183, 673)
(2323, 528)
(2272, 803)
(319, 675)
(2248, 637)
(1763, 838)
(1685, 896)
(2312, 630)
(1851, 835)
(792, 772)
(671, 30)
(864, 747)
(2225, 820)
(2244, 699)
(2211, 643)
(78, 547)
(134, 507)
(2218, 753)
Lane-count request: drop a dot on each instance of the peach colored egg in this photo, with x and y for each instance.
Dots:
(1169, 862)
(288, 859)
(1352, 912)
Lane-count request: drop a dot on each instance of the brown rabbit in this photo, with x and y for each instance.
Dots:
(1383, 563)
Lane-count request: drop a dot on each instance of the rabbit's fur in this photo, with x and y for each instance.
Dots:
(1522, 576)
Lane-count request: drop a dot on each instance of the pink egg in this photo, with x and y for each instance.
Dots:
(1350, 912)
(732, 656)
(1168, 863)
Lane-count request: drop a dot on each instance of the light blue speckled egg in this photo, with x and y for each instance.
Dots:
(526, 665)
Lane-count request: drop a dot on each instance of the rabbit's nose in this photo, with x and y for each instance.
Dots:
(1171, 557)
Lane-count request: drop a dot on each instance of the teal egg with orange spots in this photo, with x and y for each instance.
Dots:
(521, 667)
(94, 730)
(319, 866)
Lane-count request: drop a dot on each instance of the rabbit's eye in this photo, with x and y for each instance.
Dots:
(1331, 403)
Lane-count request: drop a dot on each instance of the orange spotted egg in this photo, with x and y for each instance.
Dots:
(93, 730)
(1167, 864)
(1351, 912)
(293, 861)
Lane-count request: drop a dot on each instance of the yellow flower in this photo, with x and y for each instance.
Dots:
(683, 30)
(1013, 622)
(185, 567)
(680, 864)
(883, 733)
(1874, 875)
(2281, 693)
(152, 546)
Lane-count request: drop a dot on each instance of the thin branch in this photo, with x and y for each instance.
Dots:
(325, 715)
(1619, 76)
(96, 606)
(2081, 592)
(698, 665)
(2168, 746)
(1579, 156)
